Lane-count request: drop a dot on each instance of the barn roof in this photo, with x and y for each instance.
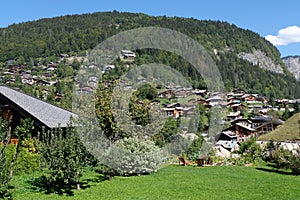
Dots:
(46, 113)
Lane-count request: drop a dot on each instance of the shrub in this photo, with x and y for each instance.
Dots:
(281, 158)
(194, 149)
(133, 156)
(250, 152)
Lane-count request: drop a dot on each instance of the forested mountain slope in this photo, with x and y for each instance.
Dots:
(76, 34)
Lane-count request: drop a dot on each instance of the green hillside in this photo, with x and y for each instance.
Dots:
(75, 34)
(289, 131)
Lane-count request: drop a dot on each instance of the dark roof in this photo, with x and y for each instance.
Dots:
(261, 118)
(46, 113)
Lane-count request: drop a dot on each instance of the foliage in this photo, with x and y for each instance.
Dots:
(104, 112)
(139, 110)
(250, 152)
(134, 155)
(146, 91)
(28, 159)
(64, 156)
(194, 149)
(5, 193)
(23, 132)
(286, 114)
(282, 158)
(167, 133)
(203, 118)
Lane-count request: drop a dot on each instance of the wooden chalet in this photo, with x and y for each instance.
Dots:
(264, 124)
(16, 105)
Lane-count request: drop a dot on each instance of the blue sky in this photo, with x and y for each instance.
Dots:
(278, 20)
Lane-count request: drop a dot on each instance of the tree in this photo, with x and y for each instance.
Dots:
(203, 118)
(194, 149)
(296, 108)
(104, 112)
(4, 168)
(166, 134)
(139, 110)
(22, 131)
(64, 156)
(147, 91)
(286, 114)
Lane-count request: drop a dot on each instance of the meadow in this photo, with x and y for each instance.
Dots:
(177, 182)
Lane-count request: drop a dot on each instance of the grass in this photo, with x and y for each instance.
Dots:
(178, 182)
(289, 131)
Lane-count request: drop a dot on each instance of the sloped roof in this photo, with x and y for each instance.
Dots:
(46, 113)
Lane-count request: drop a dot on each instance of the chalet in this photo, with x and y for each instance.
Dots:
(93, 81)
(166, 94)
(10, 81)
(127, 55)
(11, 61)
(9, 72)
(188, 111)
(236, 107)
(182, 93)
(201, 93)
(47, 75)
(242, 128)
(175, 110)
(263, 124)
(249, 98)
(16, 105)
(234, 115)
(228, 140)
(215, 101)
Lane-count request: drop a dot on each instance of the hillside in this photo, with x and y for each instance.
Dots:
(293, 65)
(245, 59)
(289, 131)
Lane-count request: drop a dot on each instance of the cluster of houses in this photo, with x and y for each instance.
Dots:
(38, 76)
(14, 71)
(238, 103)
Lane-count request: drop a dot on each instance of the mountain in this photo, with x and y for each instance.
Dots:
(289, 131)
(245, 59)
(293, 65)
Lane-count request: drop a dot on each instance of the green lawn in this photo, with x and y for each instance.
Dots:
(178, 182)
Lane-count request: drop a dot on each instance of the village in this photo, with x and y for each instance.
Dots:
(247, 115)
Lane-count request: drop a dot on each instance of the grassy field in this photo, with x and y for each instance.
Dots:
(178, 182)
(289, 131)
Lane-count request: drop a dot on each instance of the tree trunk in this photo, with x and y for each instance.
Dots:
(78, 186)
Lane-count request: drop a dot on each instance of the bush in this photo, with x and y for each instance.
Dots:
(250, 152)
(295, 164)
(194, 149)
(28, 159)
(281, 158)
(133, 156)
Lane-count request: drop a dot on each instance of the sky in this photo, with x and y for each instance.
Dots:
(276, 20)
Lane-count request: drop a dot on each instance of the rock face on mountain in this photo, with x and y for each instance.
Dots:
(262, 60)
(293, 65)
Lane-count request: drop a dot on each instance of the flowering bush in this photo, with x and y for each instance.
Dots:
(133, 156)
